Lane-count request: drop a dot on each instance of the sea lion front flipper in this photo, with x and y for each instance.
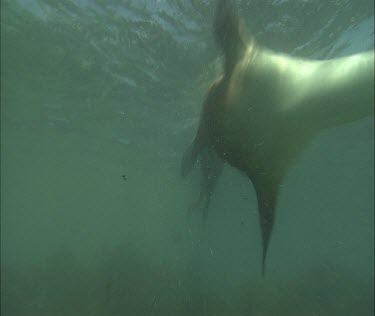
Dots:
(266, 188)
(230, 34)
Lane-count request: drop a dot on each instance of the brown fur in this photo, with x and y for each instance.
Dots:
(264, 110)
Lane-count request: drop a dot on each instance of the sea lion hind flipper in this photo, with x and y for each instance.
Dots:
(188, 160)
(211, 166)
(201, 141)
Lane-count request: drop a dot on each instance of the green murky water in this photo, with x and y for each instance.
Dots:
(92, 91)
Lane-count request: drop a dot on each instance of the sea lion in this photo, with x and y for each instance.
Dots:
(266, 107)
(211, 167)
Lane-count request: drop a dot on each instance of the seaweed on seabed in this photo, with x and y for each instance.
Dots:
(325, 291)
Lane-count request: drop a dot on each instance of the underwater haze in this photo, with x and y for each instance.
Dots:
(99, 100)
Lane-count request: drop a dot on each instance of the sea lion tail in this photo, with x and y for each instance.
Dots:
(229, 33)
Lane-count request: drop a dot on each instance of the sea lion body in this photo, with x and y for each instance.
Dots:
(274, 104)
(266, 107)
